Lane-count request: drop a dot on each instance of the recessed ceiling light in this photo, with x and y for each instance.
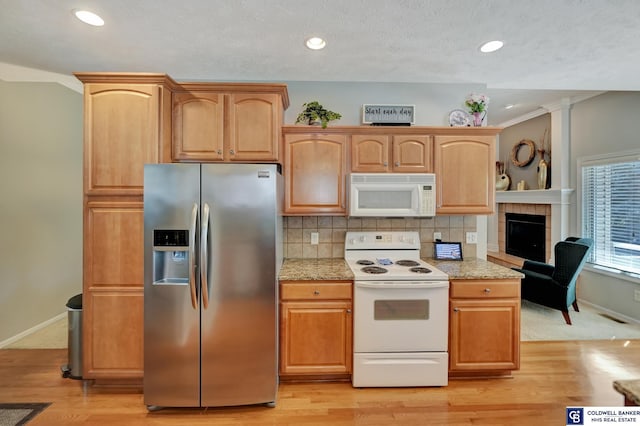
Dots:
(491, 46)
(509, 106)
(315, 43)
(89, 18)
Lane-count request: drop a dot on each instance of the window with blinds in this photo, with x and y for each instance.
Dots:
(610, 197)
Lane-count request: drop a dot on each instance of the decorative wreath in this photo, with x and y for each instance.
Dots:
(516, 148)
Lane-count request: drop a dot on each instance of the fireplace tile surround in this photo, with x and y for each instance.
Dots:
(552, 203)
(534, 209)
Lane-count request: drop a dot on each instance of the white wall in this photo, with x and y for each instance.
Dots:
(40, 203)
(604, 124)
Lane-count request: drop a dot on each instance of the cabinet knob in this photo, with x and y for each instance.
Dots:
(232, 152)
(316, 292)
(487, 290)
(456, 309)
(348, 311)
(397, 164)
(385, 164)
(219, 152)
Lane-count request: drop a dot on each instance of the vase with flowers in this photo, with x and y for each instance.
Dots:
(477, 104)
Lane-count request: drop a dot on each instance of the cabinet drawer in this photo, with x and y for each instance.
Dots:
(315, 290)
(485, 288)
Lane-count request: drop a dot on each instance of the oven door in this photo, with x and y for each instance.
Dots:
(401, 316)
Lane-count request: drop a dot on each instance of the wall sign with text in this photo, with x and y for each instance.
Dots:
(388, 114)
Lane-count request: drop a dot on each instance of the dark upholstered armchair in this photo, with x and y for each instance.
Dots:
(555, 286)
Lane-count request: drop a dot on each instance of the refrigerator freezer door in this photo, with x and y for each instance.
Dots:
(239, 338)
(171, 318)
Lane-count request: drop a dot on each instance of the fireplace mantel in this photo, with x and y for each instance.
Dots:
(535, 196)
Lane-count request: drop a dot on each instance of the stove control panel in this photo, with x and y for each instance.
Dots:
(382, 240)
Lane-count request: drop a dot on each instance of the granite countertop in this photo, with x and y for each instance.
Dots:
(337, 269)
(315, 269)
(629, 388)
(473, 269)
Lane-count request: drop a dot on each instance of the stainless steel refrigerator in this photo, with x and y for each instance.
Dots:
(213, 249)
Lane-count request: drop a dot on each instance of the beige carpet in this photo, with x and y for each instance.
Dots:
(542, 323)
(54, 336)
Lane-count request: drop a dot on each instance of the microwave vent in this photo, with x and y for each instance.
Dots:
(426, 178)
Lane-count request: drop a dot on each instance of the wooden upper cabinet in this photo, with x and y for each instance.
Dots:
(315, 174)
(198, 126)
(412, 154)
(126, 125)
(255, 121)
(370, 153)
(465, 174)
(408, 153)
(211, 123)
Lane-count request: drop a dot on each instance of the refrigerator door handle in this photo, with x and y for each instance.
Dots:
(204, 256)
(192, 256)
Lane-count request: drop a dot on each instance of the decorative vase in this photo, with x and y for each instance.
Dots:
(477, 119)
(542, 174)
(502, 182)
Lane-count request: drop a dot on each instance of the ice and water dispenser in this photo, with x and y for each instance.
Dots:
(170, 256)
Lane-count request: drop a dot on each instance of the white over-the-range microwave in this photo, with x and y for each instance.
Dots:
(392, 194)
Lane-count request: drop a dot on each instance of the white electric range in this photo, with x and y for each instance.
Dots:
(400, 312)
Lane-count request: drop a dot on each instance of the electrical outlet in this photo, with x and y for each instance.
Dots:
(472, 238)
(437, 236)
(314, 238)
(636, 295)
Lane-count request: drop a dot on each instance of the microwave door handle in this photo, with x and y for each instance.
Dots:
(192, 256)
(204, 256)
(402, 284)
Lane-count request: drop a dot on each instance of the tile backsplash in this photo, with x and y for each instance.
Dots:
(332, 229)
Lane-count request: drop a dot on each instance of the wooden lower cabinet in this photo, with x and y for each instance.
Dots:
(484, 327)
(114, 336)
(315, 330)
(113, 288)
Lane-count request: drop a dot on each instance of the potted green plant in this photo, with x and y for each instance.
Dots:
(314, 112)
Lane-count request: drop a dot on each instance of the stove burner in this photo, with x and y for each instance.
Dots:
(374, 270)
(420, 270)
(407, 263)
(364, 262)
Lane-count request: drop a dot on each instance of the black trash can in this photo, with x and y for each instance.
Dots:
(74, 346)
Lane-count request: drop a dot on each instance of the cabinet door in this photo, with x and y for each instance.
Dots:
(198, 125)
(113, 244)
(484, 334)
(315, 174)
(412, 154)
(113, 336)
(254, 127)
(315, 338)
(113, 289)
(370, 153)
(121, 133)
(465, 174)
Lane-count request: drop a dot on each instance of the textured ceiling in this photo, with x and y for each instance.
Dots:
(564, 46)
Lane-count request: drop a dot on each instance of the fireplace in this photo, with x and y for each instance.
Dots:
(525, 235)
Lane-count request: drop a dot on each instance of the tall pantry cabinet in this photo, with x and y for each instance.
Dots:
(127, 123)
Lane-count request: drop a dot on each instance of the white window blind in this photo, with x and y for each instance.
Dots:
(611, 211)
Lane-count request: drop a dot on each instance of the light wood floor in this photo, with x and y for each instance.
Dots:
(553, 375)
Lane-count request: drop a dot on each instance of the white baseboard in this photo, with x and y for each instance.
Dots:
(609, 312)
(32, 330)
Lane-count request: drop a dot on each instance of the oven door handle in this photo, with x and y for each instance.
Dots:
(402, 284)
